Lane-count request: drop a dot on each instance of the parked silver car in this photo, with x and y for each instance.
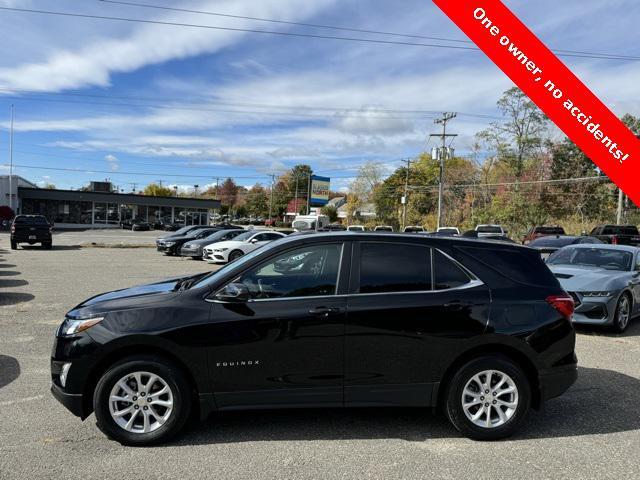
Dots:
(604, 281)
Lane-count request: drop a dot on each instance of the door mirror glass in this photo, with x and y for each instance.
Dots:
(254, 240)
(233, 293)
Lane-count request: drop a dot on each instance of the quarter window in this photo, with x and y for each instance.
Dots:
(392, 267)
(304, 272)
(447, 273)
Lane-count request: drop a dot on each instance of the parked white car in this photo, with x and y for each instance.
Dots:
(355, 228)
(223, 252)
(490, 230)
(454, 231)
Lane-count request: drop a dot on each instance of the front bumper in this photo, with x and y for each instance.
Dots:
(190, 252)
(214, 257)
(594, 310)
(72, 401)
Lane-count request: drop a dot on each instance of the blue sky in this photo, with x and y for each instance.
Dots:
(188, 105)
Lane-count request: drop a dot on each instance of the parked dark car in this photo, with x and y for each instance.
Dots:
(193, 248)
(617, 234)
(542, 231)
(172, 245)
(31, 229)
(140, 225)
(178, 233)
(481, 329)
(548, 245)
(172, 227)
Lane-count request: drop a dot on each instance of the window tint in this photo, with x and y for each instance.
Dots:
(304, 272)
(447, 274)
(391, 267)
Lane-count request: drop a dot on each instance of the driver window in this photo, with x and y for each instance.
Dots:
(304, 272)
(638, 263)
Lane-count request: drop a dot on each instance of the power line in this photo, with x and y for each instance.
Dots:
(286, 34)
(341, 28)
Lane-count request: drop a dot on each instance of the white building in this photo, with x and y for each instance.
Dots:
(11, 198)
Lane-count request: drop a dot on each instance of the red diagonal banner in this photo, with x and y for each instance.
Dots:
(552, 86)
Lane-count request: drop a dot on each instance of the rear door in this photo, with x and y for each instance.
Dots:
(409, 310)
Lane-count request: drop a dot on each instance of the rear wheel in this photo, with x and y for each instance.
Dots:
(235, 255)
(488, 398)
(142, 400)
(47, 245)
(14, 245)
(623, 314)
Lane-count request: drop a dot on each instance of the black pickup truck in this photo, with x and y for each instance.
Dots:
(617, 234)
(30, 229)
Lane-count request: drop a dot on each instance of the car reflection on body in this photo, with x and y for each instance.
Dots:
(604, 281)
(550, 244)
(231, 250)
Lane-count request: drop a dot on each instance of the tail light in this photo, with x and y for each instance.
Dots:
(563, 304)
(614, 240)
(13, 228)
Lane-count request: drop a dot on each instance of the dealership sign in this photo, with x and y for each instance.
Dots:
(319, 190)
(536, 70)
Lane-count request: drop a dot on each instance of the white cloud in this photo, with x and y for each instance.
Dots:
(112, 160)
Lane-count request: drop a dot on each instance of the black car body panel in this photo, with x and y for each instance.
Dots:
(348, 348)
(617, 234)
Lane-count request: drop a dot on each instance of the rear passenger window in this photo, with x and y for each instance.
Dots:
(392, 267)
(447, 273)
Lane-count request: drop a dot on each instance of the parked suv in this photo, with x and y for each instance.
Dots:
(481, 329)
(30, 229)
(617, 234)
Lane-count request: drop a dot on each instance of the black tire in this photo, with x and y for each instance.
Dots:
(47, 245)
(454, 398)
(619, 325)
(235, 255)
(14, 245)
(174, 378)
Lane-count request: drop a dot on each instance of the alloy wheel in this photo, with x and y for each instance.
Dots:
(490, 399)
(624, 312)
(141, 402)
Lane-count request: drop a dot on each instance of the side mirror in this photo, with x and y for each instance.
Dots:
(233, 293)
(254, 240)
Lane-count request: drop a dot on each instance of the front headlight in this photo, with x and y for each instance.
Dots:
(221, 249)
(597, 294)
(169, 244)
(72, 326)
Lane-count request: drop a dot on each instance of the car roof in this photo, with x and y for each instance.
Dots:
(402, 238)
(606, 246)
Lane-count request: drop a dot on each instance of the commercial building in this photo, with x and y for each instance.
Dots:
(99, 207)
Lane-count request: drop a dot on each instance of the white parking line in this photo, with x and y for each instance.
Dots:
(21, 400)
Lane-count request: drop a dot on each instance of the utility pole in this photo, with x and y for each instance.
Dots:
(405, 198)
(133, 187)
(442, 156)
(271, 198)
(295, 202)
(160, 182)
(308, 193)
(620, 206)
(11, 161)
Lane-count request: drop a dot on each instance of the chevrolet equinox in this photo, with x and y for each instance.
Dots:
(480, 329)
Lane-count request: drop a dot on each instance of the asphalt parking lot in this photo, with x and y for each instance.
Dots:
(593, 431)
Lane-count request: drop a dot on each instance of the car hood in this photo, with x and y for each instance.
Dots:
(133, 297)
(576, 279)
(227, 244)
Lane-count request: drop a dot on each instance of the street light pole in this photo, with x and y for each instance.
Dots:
(11, 162)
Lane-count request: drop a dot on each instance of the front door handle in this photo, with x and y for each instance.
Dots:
(323, 311)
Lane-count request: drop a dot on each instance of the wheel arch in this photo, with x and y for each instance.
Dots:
(128, 351)
(513, 354)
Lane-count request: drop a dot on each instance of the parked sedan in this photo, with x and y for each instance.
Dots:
(325, 320)
(194, 248)
(604, 281)
(551, 244)
(244, 243)
(173, 244)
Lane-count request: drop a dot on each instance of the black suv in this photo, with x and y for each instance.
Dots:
(481, 329)
(31, 229)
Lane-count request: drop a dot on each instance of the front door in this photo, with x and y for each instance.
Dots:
(285, 346)
(410, 308)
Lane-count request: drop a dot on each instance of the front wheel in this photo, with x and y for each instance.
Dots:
(142, 400)
(14, 245)
(235, 255)
(488, 398)
(623, 314)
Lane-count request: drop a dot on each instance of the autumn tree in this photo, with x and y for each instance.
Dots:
(155, 190)
(257, 201)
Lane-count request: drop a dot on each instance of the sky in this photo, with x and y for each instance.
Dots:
(137, 103)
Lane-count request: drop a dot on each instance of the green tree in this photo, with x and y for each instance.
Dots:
(257, 201)
(331, 212)
(155, 190)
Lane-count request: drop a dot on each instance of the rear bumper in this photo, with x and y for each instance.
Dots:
(554, 383)
(72, 401)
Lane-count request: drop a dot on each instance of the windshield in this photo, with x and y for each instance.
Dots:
(488, 229)
(182, 230)
(244, 236)
(593, 257)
